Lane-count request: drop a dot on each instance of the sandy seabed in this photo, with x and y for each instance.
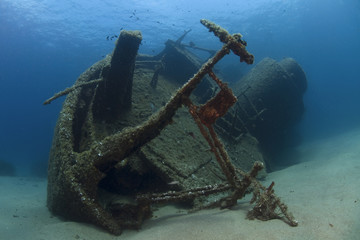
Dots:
(322, 192)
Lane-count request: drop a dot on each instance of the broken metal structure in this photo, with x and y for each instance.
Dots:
(102, 168)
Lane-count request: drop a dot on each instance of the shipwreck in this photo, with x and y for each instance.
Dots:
(134, 132)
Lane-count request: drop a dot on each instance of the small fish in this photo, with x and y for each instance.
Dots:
(192, 135)
(113, 36)
(173, 183)
(153, 108)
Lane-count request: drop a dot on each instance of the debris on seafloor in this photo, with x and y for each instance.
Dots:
(106, 174)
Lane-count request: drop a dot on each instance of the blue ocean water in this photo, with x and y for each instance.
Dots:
(46, 44)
